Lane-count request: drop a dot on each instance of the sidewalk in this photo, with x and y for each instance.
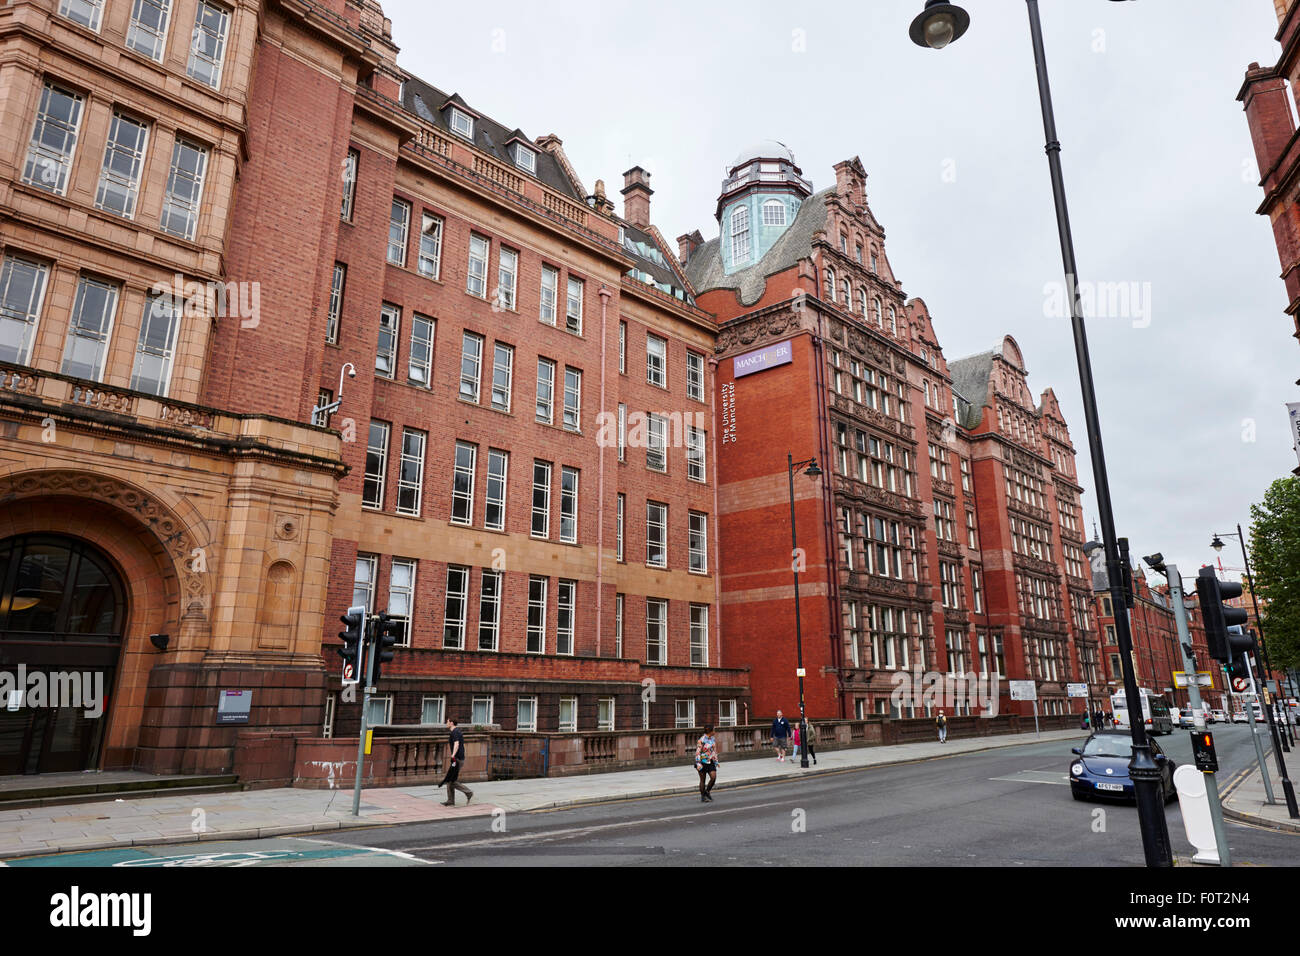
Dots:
(1244, 799)
(267, 813)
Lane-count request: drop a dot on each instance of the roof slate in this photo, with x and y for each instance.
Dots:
(425, 101)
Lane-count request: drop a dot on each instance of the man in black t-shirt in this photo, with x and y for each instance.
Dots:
(456, 754)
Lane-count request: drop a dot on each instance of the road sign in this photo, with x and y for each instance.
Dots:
(1023, 690)
(1241, 684)
(1203, 679)
(1076, 690)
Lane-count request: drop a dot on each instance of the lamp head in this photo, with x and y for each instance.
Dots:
(1217, 543)
(938, 24)
(812, 470)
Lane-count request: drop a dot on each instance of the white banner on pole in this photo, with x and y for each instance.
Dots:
(1293, 411)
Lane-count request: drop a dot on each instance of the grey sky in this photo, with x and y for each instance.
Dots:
(1159, 172)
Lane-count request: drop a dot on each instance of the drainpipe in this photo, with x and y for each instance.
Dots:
(717, 516)
(600, 481)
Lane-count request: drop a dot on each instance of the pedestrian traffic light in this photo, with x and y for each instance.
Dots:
(1217, 616)
(387, 630)
(351, 637)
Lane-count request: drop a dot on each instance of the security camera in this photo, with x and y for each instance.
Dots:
(160, 641)
(1157, 562)
(352, 373)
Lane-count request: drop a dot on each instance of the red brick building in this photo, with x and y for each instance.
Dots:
(423, 368)
(1268, 95)
(944, 531)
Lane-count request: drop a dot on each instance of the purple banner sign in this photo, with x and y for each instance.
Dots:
(762, 359)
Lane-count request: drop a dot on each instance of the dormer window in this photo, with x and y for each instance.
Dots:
(525, 158)
(462, 124)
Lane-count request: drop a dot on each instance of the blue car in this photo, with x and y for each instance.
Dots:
(1100, 768)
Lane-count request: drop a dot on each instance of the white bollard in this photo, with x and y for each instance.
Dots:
(1195, 806)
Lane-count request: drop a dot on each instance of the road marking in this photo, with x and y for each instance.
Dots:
(569, 832)
(373, 849)
(1036, 776)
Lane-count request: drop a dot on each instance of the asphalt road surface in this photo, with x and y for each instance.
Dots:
(1008, 807)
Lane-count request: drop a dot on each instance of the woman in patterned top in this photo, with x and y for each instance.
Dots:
(706, 762)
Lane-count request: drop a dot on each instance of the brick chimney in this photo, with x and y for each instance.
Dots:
(851, 181)
(687, 244)
(636, 197)
(1268, 114)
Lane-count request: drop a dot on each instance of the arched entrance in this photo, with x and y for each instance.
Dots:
(62, 614)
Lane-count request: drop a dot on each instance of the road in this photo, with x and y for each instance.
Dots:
(1007, 807)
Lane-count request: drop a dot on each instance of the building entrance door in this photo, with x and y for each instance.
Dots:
(62, 612)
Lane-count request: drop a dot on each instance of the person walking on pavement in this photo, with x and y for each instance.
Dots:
(706, 763)
(812, 739)
(456, 754)
(780, 734)
(794, 739)
(942, 723)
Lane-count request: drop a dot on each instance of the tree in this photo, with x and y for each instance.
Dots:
(1275, 559)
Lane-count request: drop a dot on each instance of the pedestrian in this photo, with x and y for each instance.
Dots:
(780, 734)
(811, 741)
(706, 763)
(794, 739)
(942, 723)
(456, 756)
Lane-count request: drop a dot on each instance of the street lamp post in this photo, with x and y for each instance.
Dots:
(809, 467)
(1279, 739)
(936, 26)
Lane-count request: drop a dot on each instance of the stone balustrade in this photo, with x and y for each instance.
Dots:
(406, 756)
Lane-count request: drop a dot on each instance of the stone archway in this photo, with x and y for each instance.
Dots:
(184, 539)
(162, 551)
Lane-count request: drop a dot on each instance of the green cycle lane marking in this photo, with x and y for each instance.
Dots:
(140, 858)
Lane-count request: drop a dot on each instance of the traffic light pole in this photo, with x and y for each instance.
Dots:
(366, 646)
(1254, 733)
(1198, 715)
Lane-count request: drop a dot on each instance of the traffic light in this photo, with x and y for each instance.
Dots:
(387, 630)
(1239, 645)
(351, 637)
(1126, 573)
(1217, 616)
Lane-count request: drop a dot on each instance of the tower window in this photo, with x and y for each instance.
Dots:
(774, 213)
(740, 248)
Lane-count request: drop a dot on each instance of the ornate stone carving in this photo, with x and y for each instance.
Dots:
(190, 562)
(286, 527)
